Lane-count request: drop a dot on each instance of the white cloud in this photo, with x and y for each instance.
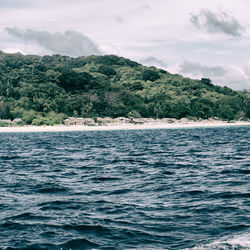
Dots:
(68, 43)
(197, 69)
(220, 22)
(246, 68)
(13, 50)
(153, 61)
(236, 77)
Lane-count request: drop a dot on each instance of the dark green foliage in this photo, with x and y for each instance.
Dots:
(201, 107)
(228, 107)
(5, 110)
(107, 70)
(134, 85)
(49, 119)
(73, 81)
(150, 75)
(44, 90)
(112, 60)
(206, 81)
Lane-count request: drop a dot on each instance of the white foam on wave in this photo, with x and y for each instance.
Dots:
(232, 243)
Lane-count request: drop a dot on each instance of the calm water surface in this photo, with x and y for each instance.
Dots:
(151, 189)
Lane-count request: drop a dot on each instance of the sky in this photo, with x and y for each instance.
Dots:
(194, 38)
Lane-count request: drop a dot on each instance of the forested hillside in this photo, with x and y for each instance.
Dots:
(38, 88)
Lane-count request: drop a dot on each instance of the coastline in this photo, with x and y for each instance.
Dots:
(65, 128)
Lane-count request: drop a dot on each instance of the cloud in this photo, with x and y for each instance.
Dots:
(16, 4)
(119, 19)
(220, 22)
(13, 50)
(142, 7)
(235, 77)
(153, 61)
(246, 68)
(69, 43)
(197, 69)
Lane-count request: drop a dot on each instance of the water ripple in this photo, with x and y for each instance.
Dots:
(151, 189)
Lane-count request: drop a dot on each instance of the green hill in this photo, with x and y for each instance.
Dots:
(38, 88)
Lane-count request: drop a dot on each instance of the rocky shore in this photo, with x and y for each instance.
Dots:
(107, 121)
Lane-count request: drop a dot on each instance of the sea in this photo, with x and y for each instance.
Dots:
(136, 189)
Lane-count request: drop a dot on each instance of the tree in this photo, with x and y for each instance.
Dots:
(73, 81)
(5, 110)
(107, 70)
(32, 87)
(206, 81)
(134, 114)
(150, 75)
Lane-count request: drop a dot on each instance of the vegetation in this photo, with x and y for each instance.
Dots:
(45, 90)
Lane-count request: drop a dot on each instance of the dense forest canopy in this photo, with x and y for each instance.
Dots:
(37, 89)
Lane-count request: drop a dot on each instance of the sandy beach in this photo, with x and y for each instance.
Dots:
(64, 128)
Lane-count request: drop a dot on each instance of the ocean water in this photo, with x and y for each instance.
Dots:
(145, 189)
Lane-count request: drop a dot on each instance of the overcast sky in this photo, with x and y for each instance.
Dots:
(191, 37)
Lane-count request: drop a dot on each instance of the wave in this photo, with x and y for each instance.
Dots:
(228, 243)
(80, 243)
(235, 171)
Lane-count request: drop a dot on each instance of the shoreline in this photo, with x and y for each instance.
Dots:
(65, 128)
